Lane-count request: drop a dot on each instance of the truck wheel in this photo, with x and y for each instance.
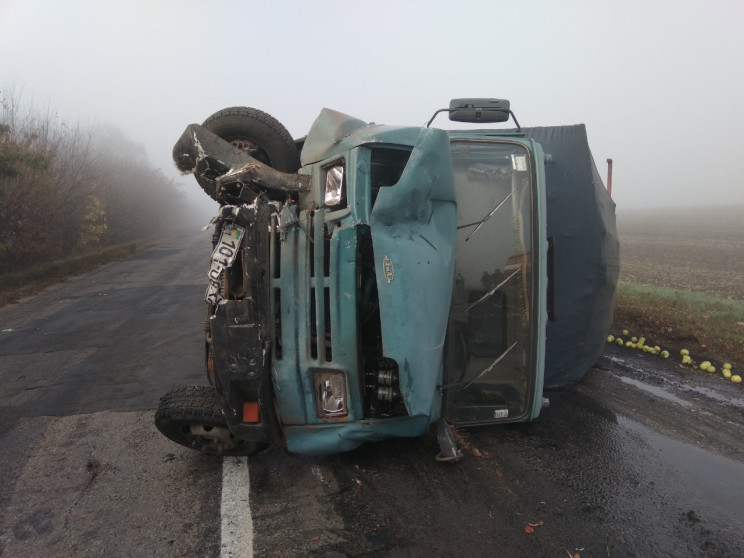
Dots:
(192, 416)
(259, 134)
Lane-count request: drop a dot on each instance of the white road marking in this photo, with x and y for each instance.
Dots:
(237, 524)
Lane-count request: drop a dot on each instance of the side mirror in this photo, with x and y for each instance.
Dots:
(479, 110)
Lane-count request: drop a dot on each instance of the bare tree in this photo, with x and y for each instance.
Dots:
(64, 189)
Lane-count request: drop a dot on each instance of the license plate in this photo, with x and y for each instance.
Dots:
(222, 258)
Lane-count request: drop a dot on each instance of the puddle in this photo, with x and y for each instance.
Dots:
(655, 390)
(625, 363)
(710, 393)
(715, 395)
(712, 482)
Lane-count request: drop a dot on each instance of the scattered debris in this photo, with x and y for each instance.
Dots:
(463, 442)
(530, 527)
(639, 343)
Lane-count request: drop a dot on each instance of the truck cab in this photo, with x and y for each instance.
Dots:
(397, 279)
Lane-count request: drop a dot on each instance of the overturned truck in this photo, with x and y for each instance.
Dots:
(370, 281)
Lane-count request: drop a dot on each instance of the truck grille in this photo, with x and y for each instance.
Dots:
(305, 249)
(320, 306)
(307, 323)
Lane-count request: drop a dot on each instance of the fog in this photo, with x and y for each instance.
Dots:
(658, 84)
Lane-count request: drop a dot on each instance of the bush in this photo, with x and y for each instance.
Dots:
(64, 189)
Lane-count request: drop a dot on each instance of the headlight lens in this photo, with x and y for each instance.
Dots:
(330, 393)
(334, 185)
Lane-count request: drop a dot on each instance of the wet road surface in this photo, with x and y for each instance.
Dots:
(587, 478)
(82, 366)
(640, 459)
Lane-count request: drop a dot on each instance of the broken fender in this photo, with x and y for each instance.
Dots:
(414, 227)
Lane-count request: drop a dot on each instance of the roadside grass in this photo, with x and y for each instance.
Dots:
(709, 327)
(15, 286)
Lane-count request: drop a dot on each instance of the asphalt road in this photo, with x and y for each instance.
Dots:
(83, 365)
(640, 459)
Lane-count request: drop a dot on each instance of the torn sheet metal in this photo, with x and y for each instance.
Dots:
(334, 133)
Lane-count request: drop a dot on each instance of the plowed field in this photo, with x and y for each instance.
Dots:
(696, 249)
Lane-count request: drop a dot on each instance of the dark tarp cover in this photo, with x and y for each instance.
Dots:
(585, 250)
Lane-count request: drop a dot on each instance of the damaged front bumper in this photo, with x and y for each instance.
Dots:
(239, 332)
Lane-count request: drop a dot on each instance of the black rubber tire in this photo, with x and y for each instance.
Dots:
(260, 134)
(198, 406)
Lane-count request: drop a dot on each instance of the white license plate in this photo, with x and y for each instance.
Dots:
(222, 258)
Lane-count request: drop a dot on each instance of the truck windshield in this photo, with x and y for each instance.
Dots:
(489, 354)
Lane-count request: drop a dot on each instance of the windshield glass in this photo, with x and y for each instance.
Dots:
(489, 346)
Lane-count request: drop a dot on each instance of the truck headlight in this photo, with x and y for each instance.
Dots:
(334, 185)
(330, 393)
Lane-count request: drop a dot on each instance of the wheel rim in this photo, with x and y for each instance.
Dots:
(252, 148)
(209, 438)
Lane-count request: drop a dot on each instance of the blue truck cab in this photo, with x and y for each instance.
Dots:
(397, 279)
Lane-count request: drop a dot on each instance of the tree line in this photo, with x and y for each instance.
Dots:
(66, 190)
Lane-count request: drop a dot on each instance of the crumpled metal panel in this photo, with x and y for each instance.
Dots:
(334, 132)
(328, 130)
(413, 227)
(336, 438)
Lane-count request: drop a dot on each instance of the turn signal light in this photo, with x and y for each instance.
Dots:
(251, 411)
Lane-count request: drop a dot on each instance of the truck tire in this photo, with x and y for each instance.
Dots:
(257, 133)
(192, 416)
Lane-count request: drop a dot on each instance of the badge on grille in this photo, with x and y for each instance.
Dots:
(387, 268)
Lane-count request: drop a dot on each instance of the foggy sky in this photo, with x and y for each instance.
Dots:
(659, 84)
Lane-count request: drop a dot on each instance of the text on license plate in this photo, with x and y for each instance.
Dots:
(223, 257)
